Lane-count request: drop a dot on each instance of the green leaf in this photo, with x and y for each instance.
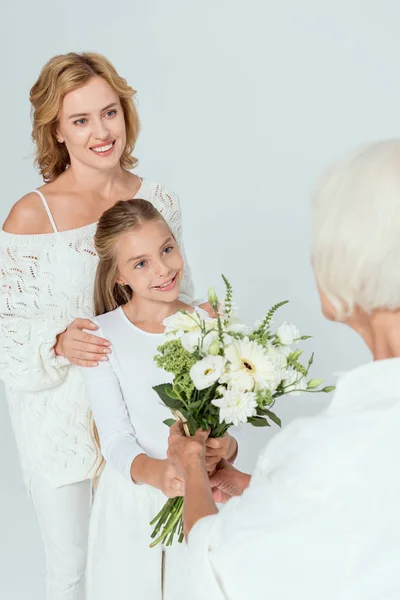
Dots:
(273, 417)
(164, 391)
(169, 422)
(258, 422)
(193, 424)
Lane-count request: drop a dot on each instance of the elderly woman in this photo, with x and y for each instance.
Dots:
(320, 515)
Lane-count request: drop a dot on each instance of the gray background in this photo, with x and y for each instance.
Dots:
(242, 104)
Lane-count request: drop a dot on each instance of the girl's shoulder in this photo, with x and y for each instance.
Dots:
(107, 320)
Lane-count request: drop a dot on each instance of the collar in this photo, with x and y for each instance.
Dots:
(367, 384)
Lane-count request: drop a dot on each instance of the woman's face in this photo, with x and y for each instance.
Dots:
(92, 125)
(150, 262)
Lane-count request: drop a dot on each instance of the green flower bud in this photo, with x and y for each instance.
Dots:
(296, 355)
(314, 383)
(212, 297)
(214, 348)
(328, 389)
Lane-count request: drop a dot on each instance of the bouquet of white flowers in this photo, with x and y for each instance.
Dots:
(225, 374)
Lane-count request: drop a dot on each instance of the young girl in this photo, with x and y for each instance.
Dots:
(136, 287)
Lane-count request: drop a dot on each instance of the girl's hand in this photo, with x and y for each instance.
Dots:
(168, 480)
(217, 449)
(82, 349)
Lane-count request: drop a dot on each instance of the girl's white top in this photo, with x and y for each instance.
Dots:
(46, 282)
(321, 516)
(128, 413)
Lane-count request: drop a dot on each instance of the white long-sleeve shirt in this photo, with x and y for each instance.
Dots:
(321, 518)
(127, 411)
(46, 281)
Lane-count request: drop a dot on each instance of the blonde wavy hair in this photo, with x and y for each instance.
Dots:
(122, 218)
(61, 75)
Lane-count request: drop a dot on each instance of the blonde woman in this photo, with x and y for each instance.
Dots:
(85, 127)
(137, 287)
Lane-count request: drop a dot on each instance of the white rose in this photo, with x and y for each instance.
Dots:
(288, 333)
(182, 322)
(277, 355)
(192, 340)
(207, 371)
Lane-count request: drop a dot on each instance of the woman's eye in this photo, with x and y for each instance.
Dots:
(140, 265)
(168, 249)
(111, 113)
(80, 122)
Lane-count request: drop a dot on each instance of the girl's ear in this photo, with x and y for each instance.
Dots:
(118, 279)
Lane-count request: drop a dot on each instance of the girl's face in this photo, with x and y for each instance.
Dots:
(150, 262)
(92, 125)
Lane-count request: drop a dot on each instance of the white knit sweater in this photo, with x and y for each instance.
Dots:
(46, 282)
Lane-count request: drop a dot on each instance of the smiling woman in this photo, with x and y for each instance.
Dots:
(85, 127)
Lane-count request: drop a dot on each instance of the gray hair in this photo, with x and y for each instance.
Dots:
(356, 229)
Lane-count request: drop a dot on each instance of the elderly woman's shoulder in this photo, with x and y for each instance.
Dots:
(28, 216)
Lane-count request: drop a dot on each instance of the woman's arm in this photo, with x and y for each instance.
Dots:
(29, 322)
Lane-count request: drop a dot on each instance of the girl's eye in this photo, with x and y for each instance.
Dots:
(168, 249)
(80, 122)
(111, 113)
(140, 265)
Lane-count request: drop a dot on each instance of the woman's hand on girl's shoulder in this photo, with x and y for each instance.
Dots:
(208, 308)
(28, 217)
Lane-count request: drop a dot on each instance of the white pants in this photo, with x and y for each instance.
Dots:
(121, 565)
(63, 515)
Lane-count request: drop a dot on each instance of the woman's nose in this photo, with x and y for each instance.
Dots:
(100, 130)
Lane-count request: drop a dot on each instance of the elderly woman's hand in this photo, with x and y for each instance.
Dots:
(183, 451)
(227, 482)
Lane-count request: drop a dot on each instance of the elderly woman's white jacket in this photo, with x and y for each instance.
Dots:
(321, 518)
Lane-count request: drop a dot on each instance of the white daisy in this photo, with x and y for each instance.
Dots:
(250, 368)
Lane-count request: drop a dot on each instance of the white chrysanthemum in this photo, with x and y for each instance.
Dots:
(236, 406)
(294, 382)
(207, 371)
(288, 333)
(250, 368)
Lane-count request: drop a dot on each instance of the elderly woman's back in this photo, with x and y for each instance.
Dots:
(321, 519)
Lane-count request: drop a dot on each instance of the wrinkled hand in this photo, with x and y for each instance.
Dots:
(218, 449)
(81, 348)
(169, 480)
(185, 451)
(227, 482)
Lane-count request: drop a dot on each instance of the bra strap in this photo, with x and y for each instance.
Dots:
(46, 206)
